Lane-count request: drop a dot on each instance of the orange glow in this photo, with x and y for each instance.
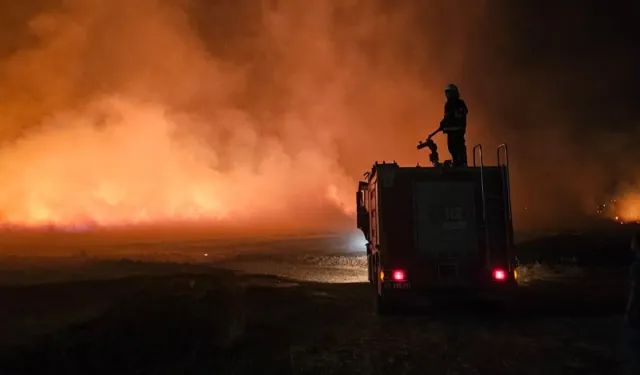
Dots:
(137, 112)
(149, 112)
(627, 208)
(137, 171)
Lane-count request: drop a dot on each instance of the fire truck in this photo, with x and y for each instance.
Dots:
(438, 231)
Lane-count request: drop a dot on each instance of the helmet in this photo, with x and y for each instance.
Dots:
(451, 89)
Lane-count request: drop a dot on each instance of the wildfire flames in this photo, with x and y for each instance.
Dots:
(137, 168)
(627, 208)
(120, 114)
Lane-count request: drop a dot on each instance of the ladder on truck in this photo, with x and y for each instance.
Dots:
(503, 166)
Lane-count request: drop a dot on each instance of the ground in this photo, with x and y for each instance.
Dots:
(290, 307)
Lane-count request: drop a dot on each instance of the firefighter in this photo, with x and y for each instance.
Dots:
(454, 125)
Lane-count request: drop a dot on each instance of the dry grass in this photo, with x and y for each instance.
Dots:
(181, 319)
(537, 272)
(85, 316)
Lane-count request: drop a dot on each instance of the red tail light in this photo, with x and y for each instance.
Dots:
(398, 275)
(499, 274)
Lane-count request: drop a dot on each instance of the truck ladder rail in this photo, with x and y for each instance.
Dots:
(484, 202)
(504, 170)
(505, 177)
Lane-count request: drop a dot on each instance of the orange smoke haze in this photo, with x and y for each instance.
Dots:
(630, 208)
(627, 207)
(257, 113)
(135, 169)
(122, 112)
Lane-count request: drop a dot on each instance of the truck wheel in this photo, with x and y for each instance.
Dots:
(383, 306)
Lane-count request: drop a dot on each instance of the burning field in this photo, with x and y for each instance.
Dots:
(159, 129)
(623, 209)
(252, 115)
(117, 113)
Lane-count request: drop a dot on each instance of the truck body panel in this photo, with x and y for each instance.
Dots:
(444, 229)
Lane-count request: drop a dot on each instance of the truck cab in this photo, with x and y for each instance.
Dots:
(438, 231)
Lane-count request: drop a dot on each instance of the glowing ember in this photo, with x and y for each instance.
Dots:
(627, 208)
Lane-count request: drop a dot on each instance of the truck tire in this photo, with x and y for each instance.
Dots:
(383, 307)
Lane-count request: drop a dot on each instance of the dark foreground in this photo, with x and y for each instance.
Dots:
(190, 314)
(199, 320)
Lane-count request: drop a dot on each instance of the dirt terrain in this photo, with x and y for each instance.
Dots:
(289, 307)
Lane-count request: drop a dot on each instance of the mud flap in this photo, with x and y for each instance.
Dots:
(383, 305)
(391, 305)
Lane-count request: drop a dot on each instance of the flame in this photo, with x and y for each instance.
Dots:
(122, 113)
(139, 169)
(627, 208)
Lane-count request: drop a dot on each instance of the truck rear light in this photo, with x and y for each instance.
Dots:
(499, 274)
(398, 275)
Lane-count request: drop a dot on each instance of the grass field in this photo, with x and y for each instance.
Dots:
(80, 315)
(204, 321)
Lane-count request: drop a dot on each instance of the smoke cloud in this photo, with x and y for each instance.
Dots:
(266, 113)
